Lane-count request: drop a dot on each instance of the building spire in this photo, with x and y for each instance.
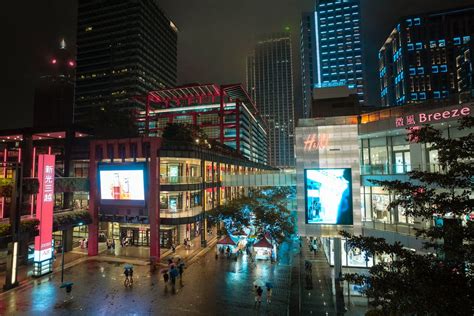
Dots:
(62, 44)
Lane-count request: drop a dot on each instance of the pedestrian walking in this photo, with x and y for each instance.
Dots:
(269, 294)
(173, 275)
(166, 277)
(113, 244)
(259, 295)
(173, 248)
(180, 267)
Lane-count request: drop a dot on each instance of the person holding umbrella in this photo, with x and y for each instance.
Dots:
(173, 274)
(269, 287)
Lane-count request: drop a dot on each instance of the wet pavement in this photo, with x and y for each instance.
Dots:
(208, 287)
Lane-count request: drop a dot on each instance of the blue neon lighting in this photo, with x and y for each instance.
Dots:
(457, 41)
(434, 69)
(318, 65)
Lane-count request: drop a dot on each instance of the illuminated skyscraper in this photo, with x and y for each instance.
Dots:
(125, 48)
(273, 81)
(428, 57)
(331, 49)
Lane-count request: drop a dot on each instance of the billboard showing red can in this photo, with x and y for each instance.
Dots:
(122, 184)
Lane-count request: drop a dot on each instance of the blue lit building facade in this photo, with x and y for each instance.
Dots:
(428, 57)
(331, 48)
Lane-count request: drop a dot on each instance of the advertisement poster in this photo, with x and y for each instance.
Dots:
(123, 185)
(328, 194)
(44, 208)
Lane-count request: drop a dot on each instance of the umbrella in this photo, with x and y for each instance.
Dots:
(66, 284)
(128, 266)
(269, 285)
(259, 283)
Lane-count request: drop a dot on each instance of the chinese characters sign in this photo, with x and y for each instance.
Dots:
(315, 142)
(425, 118)
(44, 207)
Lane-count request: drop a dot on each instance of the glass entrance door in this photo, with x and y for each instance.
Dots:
(402, 162)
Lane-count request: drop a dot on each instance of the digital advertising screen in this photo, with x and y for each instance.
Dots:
(122, 184)
(328, 194)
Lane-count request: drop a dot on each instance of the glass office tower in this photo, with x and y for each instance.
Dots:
(331, 49)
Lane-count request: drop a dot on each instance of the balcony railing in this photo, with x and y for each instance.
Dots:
(180, 180)
(188, 212)
(401, 228)
(389, 169)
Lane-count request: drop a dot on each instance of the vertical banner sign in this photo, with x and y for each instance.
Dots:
(44, 208)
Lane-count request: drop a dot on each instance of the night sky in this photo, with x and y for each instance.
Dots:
(214, 38)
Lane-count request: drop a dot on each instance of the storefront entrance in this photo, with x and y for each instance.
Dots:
(135, 236)
(168, 236)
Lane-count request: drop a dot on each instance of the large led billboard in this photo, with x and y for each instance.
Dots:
(328, 194)
(122, 184)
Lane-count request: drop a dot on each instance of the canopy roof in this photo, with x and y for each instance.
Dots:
(263, 243)
(226, 241)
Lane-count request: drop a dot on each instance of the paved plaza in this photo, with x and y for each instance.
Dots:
(209, 286)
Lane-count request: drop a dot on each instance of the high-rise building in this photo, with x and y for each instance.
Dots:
(225, 113)
(273, 78)
(428, 57)
(331, 49)
(125, 48)
(250, 74)
(54, 93)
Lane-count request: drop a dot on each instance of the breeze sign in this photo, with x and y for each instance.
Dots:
(426, 118)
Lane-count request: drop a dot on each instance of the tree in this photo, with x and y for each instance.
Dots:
(439, 283)
(265, 210)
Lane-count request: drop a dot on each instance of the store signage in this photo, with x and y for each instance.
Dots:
(44, 207)
(315, 142)
(425, 118)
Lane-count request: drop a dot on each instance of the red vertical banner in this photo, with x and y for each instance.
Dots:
(44, 207)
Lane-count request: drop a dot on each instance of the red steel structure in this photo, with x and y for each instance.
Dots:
(216, 109)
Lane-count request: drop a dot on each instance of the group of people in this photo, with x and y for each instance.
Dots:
(187, 244)
(259, 292)
(174, 270)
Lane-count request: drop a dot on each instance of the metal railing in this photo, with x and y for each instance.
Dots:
(389, 169)
(400, 228)
(187, 212)
(180, 180)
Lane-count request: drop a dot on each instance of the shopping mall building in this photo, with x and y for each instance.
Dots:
(372, 146)
(184, 177)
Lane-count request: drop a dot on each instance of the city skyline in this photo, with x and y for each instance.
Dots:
(223, 63)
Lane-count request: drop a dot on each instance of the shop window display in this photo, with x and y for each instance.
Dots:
(380, 201)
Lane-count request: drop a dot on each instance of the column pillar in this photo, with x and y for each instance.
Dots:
(93, 229)
(337, 257)
(153, 205)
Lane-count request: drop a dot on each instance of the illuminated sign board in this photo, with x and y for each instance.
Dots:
(122, 184)
(427, 118)
(315, 142)
(44, 208)
(328, 195)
